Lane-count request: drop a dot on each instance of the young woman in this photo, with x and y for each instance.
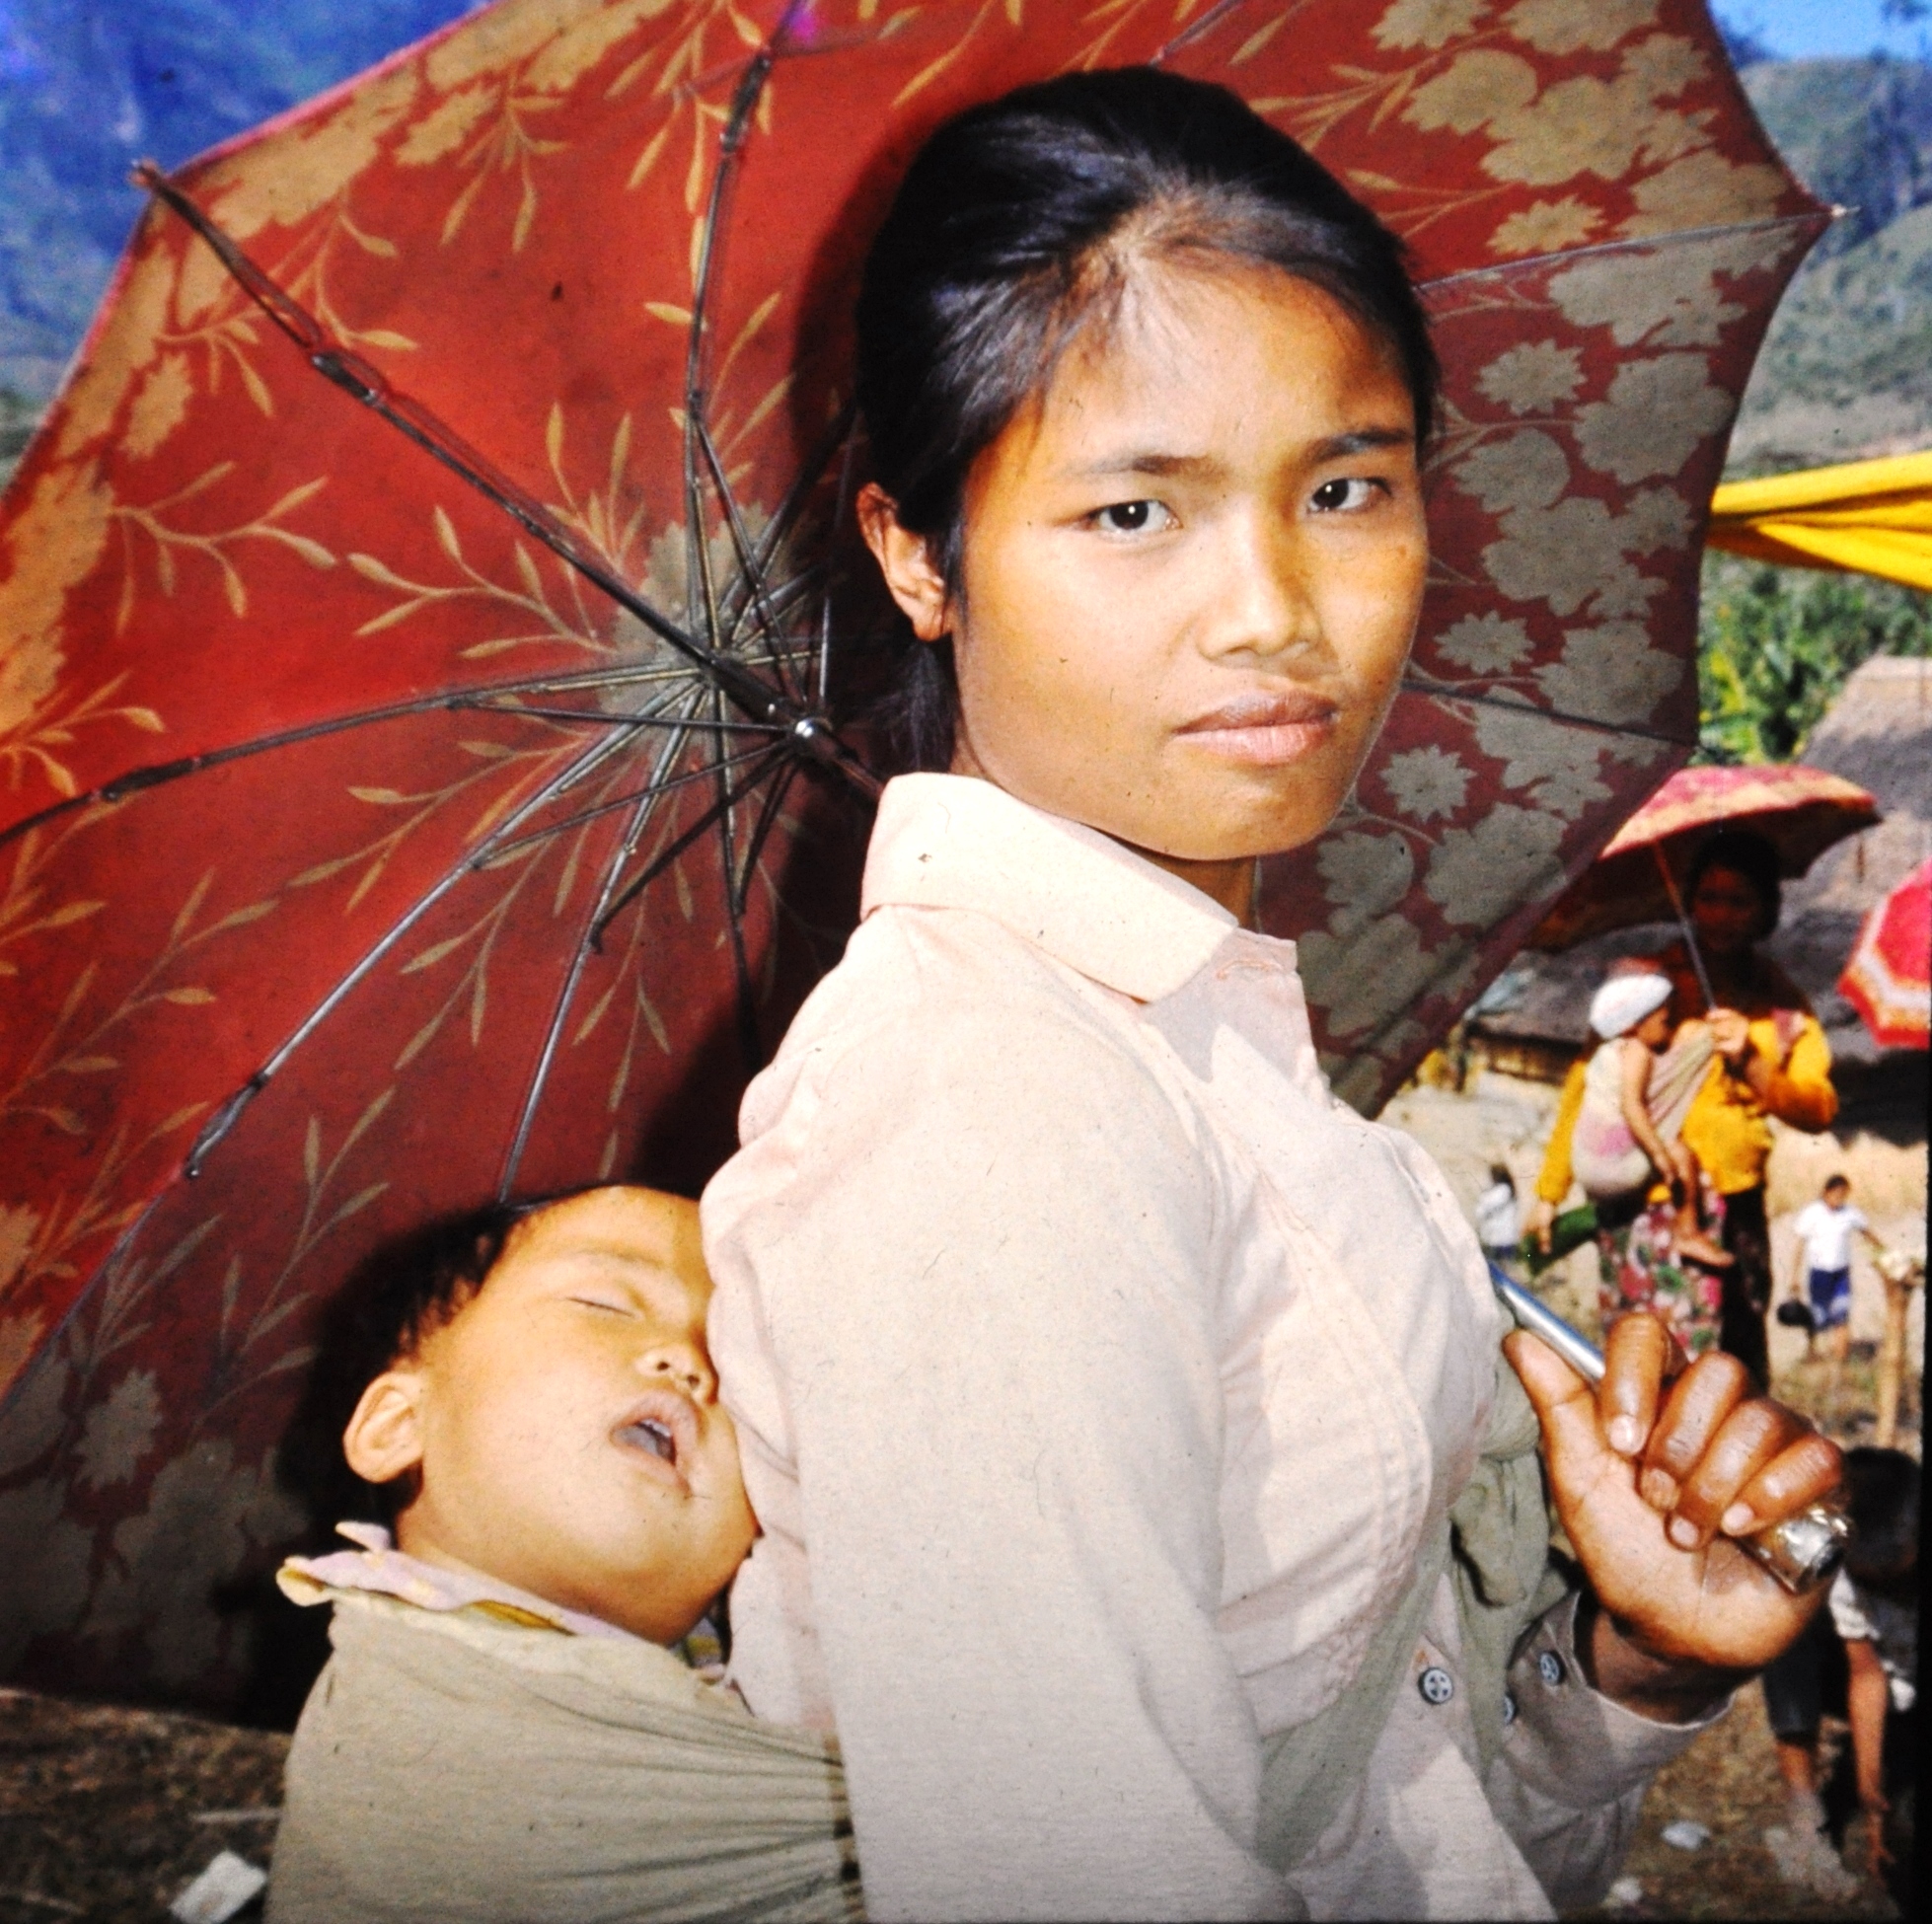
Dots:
(1105, 1386)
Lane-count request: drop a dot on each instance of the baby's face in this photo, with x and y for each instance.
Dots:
(1654, 1031)
(572, 1440)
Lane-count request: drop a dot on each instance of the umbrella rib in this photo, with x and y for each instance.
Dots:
(584, 947)
(608, 720)
(697, 548)
(841, 502)
(230, 1113)
(1448, 692)
(506, 850)
(799, 492)
(768, 814)
(366, 384)
(748, 566)
(1529, 264)
(667, 856)
(157, 774)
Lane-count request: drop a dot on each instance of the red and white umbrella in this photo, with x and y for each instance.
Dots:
(1889, 979)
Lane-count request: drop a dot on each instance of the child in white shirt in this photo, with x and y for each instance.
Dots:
(1823, 1259)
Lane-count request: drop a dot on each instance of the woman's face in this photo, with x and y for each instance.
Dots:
(1192, 570)
(1726, 911)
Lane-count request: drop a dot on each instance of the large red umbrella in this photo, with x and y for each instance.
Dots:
(1640, 875)
(1888, 978)
(428, 636)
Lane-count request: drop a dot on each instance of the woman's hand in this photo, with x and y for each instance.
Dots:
(1653, 1474)
(1729, 1034)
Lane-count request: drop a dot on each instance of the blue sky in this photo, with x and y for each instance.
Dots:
(1805, 29)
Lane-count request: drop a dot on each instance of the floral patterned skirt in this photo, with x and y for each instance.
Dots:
(1640, 1269)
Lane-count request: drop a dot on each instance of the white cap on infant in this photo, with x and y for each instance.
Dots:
(1624, 1000)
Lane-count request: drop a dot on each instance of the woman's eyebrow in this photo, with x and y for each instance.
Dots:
(1362, 440)
(1143, 461)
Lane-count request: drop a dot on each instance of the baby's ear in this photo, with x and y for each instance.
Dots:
(384, 1437)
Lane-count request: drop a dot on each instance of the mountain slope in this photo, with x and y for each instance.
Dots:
(1847, 371)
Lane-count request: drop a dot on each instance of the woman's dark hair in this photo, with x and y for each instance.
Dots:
(1740, 852)
(1019, 223)
(398, 1298)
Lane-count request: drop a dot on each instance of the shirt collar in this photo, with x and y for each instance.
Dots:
(955, 842)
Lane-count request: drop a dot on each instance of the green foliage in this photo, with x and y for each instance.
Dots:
(1775, 645)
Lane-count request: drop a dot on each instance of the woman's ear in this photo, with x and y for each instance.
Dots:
(384, 1437)
(906, 561)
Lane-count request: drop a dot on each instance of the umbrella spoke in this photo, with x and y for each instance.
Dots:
(768, 815)
(581, 952)
(649, 792)
(666, 856)
(749, 570)
(1413, 684)
(230, 1112)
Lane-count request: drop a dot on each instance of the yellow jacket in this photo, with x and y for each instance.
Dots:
(1728, 1128)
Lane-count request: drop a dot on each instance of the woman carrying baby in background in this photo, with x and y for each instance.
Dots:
(1628, 1141)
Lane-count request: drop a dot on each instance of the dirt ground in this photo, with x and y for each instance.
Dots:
(106, 1815)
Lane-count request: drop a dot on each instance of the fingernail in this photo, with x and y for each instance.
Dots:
(1683, 1532)
(1738, 1518)
(1625, 1435)
(1658, 1489)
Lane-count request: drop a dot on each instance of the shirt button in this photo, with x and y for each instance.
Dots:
(1509, 1710)
(1549, 1667)
(1436, 1684)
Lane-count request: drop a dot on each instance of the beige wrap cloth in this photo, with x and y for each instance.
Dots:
(452, 1767)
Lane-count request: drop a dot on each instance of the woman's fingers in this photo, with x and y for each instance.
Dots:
(1693, 1412)
(1803, 1473)
(1638, 1359)
(1758, 1457)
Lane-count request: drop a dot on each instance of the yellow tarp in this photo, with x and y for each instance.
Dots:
(1869, 517)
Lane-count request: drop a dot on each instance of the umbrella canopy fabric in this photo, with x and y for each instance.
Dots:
(1867, 517)
(367, 848)
(1888, 978)
(1800, 811)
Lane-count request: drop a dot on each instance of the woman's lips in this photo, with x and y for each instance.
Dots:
(1265, 730)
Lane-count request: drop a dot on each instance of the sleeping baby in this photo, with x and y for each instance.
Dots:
(503, 1731)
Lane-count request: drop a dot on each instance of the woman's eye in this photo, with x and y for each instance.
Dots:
(1131, 517)
(1346, 497)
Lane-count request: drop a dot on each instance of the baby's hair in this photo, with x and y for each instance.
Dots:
(1881, 1490)
(1018, 225)
(1498, 1173)
(400, 1296)
(1838, 1181)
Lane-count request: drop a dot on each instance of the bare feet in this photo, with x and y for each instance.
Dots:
(1695, 1244)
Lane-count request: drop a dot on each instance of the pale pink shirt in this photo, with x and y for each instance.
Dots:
(1099, 1376)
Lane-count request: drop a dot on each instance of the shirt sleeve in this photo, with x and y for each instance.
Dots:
(988, 1289)
(1553, 1183)
(1569, 1779)
(1798, 1092)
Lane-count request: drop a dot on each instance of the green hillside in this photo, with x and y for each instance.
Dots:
(1847, 371)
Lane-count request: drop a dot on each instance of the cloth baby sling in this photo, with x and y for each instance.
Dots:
(1607, 1159)
(505, 1774)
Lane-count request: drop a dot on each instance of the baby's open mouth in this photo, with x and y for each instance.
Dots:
(663, 1425)
(653, 1436)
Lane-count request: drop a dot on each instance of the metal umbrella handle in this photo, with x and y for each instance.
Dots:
(1800, 1552)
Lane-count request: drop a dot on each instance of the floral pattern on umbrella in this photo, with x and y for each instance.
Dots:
(362, 857)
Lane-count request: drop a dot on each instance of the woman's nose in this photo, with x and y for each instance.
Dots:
(1263, 604)
(681, 1360)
